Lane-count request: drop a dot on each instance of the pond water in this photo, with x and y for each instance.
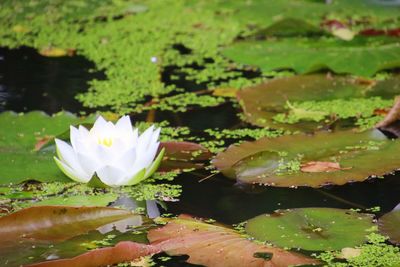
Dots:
(29, 81)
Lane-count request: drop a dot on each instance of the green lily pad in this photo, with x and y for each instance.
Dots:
(18, 136)
(267, 13)
(389, 225)
(312, 228)
(307, 102)
(279, 161)
(360, 56)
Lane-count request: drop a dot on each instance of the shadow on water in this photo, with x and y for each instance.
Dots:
(29, 81)
(223, 200)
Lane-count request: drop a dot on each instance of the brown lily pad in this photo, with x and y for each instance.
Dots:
(210, 245)
(321, 166)
(123, 251)
(307, 102)
(279, 161)
(50, 222)
(183, 155)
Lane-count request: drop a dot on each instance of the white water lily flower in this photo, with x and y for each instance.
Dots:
(113, 153)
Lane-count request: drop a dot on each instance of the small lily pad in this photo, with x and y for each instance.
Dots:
(389, 225)
(307, 102)
(312, 228)
(279, 161)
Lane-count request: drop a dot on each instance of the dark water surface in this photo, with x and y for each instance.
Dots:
(29, 81)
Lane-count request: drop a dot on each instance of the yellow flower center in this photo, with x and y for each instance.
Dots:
(105, 141)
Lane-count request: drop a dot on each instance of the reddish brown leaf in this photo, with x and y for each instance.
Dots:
(393, 115)
(214, 245)
(51, 222)
(321, 166)
(42, 141)
(123, 251)
(183, 155)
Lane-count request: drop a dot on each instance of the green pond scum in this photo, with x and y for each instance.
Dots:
(263, 92)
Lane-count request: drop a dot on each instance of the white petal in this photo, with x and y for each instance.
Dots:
(110, 175)
(155, 136)
(73, 174)
(74, 136)
(144, 141)
(68, 156)
(127, 160)
(155, 164)
(124, 126)
(134, 179)
(89, 164)
(150, 154)
(145, 137)
(134, 141)
(83, 131)
(99, 125)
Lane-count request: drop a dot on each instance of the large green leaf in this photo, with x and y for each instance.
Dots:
(306, 102)
(389, 225)
(214, 245)
(312, 228)
(279, 161)
(18, 135)
(361, 56)
(267, 13)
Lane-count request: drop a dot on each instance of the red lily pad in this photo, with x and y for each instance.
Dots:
(279, 161)
(50, 222)
(213, 245)
(183, 155)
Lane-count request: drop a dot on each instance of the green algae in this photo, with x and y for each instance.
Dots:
(359, 108)
(181, 102)
(243, 133)
(377, 253)
(132, 48)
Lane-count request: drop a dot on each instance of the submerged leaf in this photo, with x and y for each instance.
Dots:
(213, 245)
(56, 52)
(312, 228)
(279, 161)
